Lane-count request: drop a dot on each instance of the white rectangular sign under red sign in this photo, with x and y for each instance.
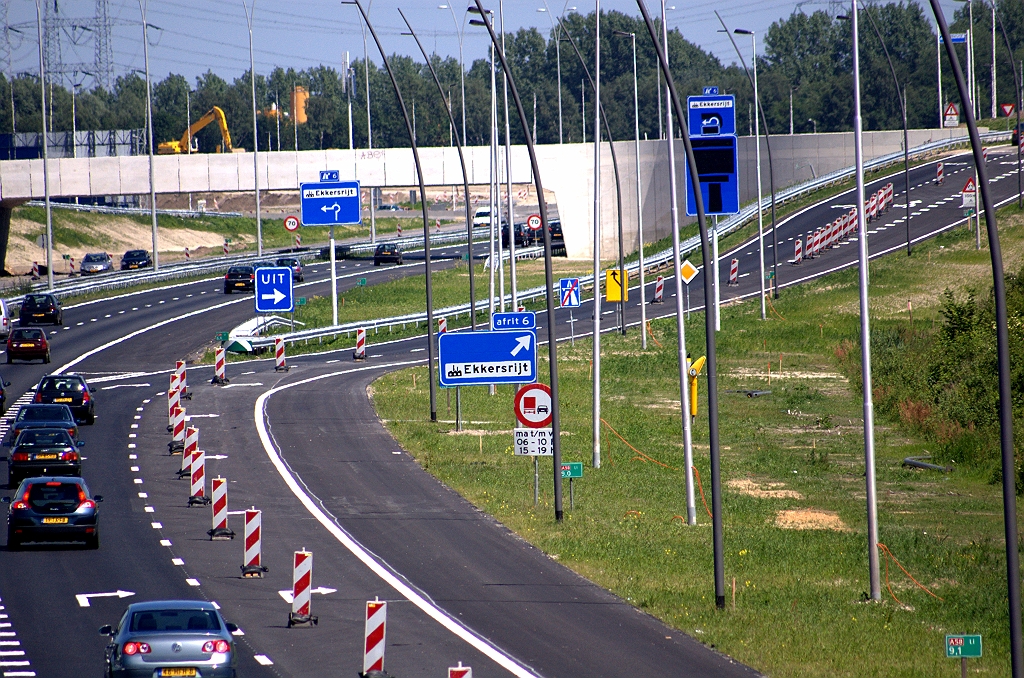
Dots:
(533, 442)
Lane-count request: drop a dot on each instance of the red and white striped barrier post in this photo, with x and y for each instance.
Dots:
(889, 195)
(853, 221)
(298, 240)
(360, 352)
(873, 206)
(279, 357)
(179, 371)
(734, 272)
(399, 229)
(817, 242)
(35, 270)
(198, 486)
(659, 291)
(939, 178)
(460, 671)
(798, 251)
(1020, 143)
(442, 325)
(173, 400)
(219, 367)
(177, 430)
(189, 451)
(302, 582)
(188, 257)
(376, 625)
(437, 225)
(71, 266)
(252, 553)
(984, 153)
(220, 530)
(225, 248)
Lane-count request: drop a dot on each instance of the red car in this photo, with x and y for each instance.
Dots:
(27, 343)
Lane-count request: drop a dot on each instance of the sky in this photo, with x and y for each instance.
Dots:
(195, 36)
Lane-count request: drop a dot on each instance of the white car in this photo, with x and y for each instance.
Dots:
(482, 216)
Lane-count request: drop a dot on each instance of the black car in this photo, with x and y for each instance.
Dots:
(340, 252)
(387, 253)
(40, 308)
(43, 416)
(70, 390)
(134, 259)
(3, 393)
(50, 509)
(43, 452)
(1016, 135)
(240, 279)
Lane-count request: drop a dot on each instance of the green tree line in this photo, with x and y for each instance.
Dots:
(806, 58)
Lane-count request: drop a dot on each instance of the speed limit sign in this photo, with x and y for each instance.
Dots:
(291, 223)
(533, 222)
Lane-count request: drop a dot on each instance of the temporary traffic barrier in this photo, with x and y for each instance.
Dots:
(939, 174)
(219, 369)
(177, 430)
(376, 625)
(1020, 144)
(189, 451)
(225, 248)
(888, 195)
(179, 371)
(399, 229)
(298, 240)
(173, 400)
(659, 291)
(460, 671)
(198, 493)
(35, 270)
(71, 266)
(252, 554)
(302, 582)
(734, 272)
(360, 352)
(220, 531)
(798, 251)
(984, 153)
(442, 325)
(187, 256)
(279, 358)
(437, 225)
(873, 206)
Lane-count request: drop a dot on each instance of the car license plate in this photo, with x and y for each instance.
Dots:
(26, 345)
(61, 521)
(62, 400)
(46, 456)
(38, 315)
(239, 284)
(175, 671)
(133, 265)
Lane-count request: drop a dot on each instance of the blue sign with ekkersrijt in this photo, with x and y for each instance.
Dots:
(711, 115)
(481, 358)
(330, 203)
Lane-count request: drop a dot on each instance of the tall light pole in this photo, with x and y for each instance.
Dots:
(508, 174)
(460, 30)
(597, 237)
(757, 155)
(46, 159)
(994, 111)
(149, 126)
(249, 12)
(556, 26)
(639, 195)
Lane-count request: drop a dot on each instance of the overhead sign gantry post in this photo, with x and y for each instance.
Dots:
(331, 202)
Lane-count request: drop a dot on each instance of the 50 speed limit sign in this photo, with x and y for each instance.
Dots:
(291, 223)
(533, 222)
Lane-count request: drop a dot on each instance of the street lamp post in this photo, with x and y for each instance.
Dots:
(557, 26)
(461, 32)
(757, 155)
(249, 12)
(46, 160)
(149, 126)
(814, 124)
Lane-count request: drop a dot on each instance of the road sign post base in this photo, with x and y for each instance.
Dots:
(217, 381)
(198, 500)
(175, 447)
(253, 571)
(375, 674)
(358, 358)
(282, 368)
(221, 534)
(301, 620)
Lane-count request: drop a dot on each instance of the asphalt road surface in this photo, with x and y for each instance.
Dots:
(306, 447)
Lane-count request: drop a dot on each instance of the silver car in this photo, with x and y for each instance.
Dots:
(167, 638)
(97, 262)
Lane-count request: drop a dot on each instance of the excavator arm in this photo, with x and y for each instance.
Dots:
(214, 114)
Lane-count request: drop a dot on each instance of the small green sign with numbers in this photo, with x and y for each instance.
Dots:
(300, 301)
(361, 282)
(572, 469)
(222, 336)
(965, 646)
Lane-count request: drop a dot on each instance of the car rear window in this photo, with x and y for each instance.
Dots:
(44, 413)
(26, 334)
(240, 270)
(287, 262)
(42, 437)
(54, 495)
(50, 384)
(34, 300)
(174, 620)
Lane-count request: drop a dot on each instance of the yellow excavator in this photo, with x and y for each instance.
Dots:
(214, 114)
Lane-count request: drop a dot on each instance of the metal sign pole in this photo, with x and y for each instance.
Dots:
(334, 280)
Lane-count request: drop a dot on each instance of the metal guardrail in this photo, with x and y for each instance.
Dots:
(142, 211)
(655, 261)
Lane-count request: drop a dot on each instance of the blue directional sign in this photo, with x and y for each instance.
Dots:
(330, 203)
(330, 175)
(710, 91)
(955, 38)
(527, 320)
(274, 290)
(569, 292)
(718, 170)
(711, 116)
(481, 358)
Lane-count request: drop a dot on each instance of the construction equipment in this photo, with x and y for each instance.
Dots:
(182, 146)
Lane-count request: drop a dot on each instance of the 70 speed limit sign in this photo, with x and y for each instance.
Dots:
(533, 222)
(291, 223)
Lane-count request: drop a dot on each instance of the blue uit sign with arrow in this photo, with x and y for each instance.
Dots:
(331, 203)
(481, 358)
(274, 290)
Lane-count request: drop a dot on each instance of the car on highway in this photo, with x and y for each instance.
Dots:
(482, 216)
(97, 262)
(41, 309)
(5, 319)
(27, 343)
(1015, 136)
(53, 509)
(340, 252)
(390, 208)
(43, 452)
(134, 259)
(170, 638)
(295, 265)
(43, 416)
(71, 390)
(3, 393)
(240, 279)
(387, 253)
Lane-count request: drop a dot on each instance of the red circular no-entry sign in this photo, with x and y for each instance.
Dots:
(533, 406)
(291, 223)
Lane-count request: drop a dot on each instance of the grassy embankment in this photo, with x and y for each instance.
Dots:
(792, 459)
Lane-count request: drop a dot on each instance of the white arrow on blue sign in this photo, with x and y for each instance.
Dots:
(480, 358)
(274, 290)
(331, 203)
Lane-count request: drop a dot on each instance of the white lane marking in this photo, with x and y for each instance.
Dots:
(156, 526)
(257, 383)
(263, 660)
(414, 350)
(110, 388)
(83, 598)
(139, 409)
(149, 509)
(134, 469)
(357, 549)
(250, 372)
(177, 561)
(138, 481)
(133, 456)
(192, 582)
(143, 495)
(165, 542)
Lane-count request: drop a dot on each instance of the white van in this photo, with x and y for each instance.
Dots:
(5, 320)
(482, 216)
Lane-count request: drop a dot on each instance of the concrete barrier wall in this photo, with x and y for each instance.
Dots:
(567, 170)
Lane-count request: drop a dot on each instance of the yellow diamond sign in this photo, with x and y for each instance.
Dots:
(688, 271)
